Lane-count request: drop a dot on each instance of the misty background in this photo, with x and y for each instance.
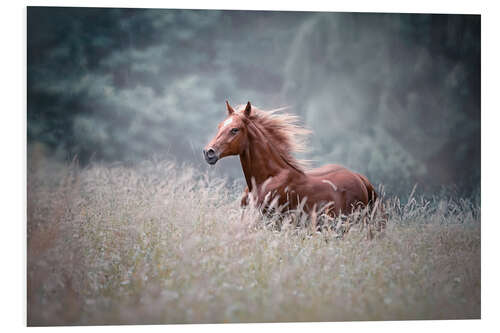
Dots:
(393, 96)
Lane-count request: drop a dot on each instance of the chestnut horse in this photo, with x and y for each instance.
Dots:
(265, 142)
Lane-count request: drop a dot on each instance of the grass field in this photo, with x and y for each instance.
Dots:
(157, 243)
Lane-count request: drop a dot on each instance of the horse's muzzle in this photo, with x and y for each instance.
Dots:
(211, 156)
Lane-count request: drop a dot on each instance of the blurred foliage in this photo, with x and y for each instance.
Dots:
(394, 96)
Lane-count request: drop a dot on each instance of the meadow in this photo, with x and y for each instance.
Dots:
(158, 243)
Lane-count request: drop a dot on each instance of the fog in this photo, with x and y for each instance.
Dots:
(393, 96)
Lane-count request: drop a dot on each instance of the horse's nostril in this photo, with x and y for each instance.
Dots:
(210, 153)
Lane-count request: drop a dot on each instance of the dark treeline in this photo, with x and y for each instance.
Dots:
(394, 96)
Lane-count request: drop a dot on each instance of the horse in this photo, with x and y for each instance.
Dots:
(265, 141)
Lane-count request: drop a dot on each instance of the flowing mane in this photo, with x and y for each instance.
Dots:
(283, 132)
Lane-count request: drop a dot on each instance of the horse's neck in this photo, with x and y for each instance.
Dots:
(261, 161)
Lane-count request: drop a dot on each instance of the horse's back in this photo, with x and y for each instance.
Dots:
(324, 170)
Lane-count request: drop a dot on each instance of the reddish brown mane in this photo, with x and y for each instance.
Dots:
(283, 132)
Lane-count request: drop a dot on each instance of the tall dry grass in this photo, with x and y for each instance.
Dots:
(158, 243)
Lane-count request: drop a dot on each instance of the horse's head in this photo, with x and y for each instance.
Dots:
(231, 137)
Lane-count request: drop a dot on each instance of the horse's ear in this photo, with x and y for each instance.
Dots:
(248, 109)
(230, 110)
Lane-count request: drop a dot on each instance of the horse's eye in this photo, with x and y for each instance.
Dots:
(234, 130)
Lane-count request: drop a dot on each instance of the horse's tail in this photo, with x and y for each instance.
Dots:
(372, 198)
(372, 195)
